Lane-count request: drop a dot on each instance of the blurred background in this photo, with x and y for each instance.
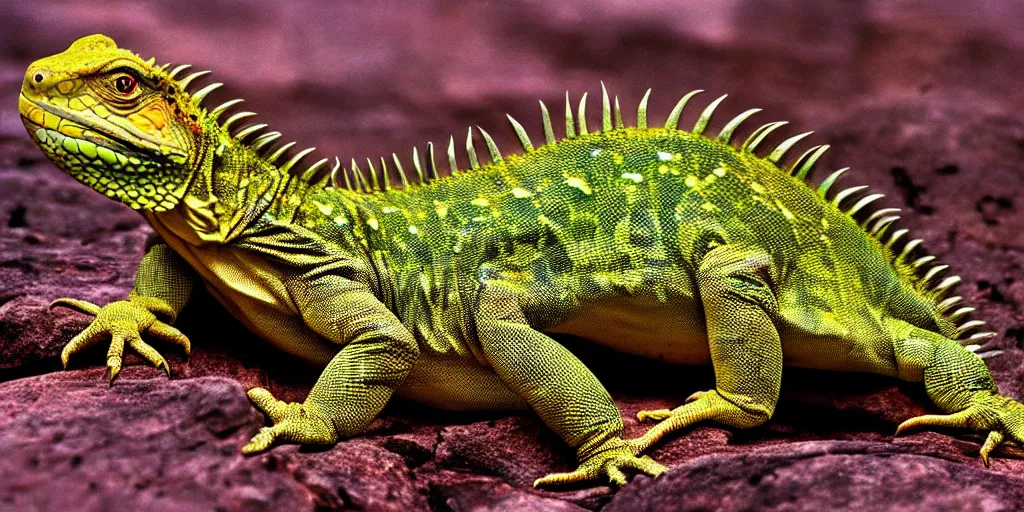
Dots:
(365, 78)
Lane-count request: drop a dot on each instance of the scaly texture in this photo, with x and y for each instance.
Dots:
(654, 241)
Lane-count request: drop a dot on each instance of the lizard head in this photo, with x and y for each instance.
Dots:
(115, 122)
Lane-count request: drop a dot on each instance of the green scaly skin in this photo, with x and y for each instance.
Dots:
(653, 241)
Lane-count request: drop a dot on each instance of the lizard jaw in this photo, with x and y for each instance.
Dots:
(103, 161)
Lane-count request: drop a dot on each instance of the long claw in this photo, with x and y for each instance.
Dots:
(150, 354)
(87, 338)
(694, 397)
(123, 321)
(616, 476)
(168, 333)
(293, 422)
(986, 411)
(993, 440)
(114, 354)
(654, 415)
(81, 306)
(955, 420)
(562, 478)
(709, 405)
(610, 464)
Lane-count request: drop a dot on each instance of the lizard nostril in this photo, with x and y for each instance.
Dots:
(38, 77)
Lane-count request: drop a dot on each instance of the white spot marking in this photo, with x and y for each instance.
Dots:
(521, 193)
(325, 209)
(579, 183)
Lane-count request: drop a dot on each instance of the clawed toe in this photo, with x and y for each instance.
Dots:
(611, 464)
(123, 322)
(82, 306)
(1001, 417)
(664, 414)
(292, 422)
(260, 441)
(991, 442)
(653, 415)
(955, 420)
(695, 396)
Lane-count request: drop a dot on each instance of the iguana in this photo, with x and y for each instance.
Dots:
(654, 241)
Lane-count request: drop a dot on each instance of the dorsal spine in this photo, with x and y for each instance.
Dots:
(923, 269)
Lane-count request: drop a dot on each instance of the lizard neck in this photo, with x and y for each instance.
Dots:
(232, 187)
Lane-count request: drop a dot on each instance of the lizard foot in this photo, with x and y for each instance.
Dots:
(124, 322)
(293, 422)
(1001, 417)
(664, 414)
(611, 463)
(700, 406)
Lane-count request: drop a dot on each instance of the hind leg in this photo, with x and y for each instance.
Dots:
(958, 382)
(560, 388)
(739, 306)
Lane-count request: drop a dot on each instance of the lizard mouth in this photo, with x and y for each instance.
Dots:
(106, 162)
(78, 128)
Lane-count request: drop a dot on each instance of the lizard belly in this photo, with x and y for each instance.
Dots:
(284, 330)
(671, 331)
(253, 291)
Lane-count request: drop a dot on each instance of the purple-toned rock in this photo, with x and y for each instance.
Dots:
(517, 449)
(357, 474)
(823, 475)
(490, 496)
(922, 103)
(70, 442)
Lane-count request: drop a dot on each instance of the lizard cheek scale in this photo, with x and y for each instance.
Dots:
(444, 287)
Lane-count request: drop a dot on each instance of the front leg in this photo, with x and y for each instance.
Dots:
(377, 353)
(563, 392)
(163, 284)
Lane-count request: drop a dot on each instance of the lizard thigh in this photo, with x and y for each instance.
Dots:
(457, 384)
(746, 352)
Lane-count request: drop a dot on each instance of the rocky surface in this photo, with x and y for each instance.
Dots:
(922, 102)
(823, 475)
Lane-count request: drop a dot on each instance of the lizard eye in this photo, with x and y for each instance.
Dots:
(125, 84)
